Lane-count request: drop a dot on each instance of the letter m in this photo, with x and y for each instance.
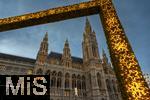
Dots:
(9, 85)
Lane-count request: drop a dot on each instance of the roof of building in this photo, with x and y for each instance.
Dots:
(17, 58)
(59, 56)
(31, 60)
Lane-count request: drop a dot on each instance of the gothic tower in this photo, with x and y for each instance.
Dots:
(66, 56)
(91, 59)
(89, 44)
(41, 56)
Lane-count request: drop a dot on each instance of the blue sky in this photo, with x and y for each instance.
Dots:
(134, 16)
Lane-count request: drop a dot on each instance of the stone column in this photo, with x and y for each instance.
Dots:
(62, 86)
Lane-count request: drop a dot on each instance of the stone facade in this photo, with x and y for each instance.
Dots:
(93, 77)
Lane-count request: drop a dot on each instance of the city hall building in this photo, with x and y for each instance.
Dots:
(71, 78)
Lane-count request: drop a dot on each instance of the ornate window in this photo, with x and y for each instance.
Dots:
(67, 80)
(83, 83)
(114, 86)
(79, 82)
(73, 81)
(90, 81)
(99, 80)
(53, 79)
(94, 51)
(59, 79)
(108, 85)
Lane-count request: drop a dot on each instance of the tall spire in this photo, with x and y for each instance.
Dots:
(105, 59)
(45, 37)
(43, 51)
(88, 28)
(66, 57)
(67, 43)
(89, 44)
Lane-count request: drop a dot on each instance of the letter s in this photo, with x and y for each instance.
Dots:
(39, 85)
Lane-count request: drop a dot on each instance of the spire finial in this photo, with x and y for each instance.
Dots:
(88, 28)
(105, 59)
(93, 32)
(46, 36)
(66, 43)
(87, 21)
(66, 40)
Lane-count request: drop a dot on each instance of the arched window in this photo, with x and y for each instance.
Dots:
(79, 82)
(59, 78)
(58, 82)
(39, 72)
(99, 80)
(94, 51)
(83, 83)
(67, 80)
(114, 86)
(90, 81)
(108, 85)
(73, 81)
(53, 79)
(87, 52)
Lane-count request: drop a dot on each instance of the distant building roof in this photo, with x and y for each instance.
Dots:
(30, 60)
(16, 58)
(59, 55)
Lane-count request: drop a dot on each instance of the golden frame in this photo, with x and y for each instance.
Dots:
(128, 72)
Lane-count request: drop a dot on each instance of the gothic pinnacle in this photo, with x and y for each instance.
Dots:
(88, 28)
(46, 37)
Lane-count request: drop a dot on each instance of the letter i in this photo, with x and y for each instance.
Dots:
(28, 86)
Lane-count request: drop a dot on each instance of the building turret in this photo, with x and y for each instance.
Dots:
(43, 51)
(88, 28)
(66, 57)
(41, 56)
(104, 59)
(89, 44)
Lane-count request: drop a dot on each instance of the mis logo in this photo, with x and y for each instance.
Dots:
(18, 87)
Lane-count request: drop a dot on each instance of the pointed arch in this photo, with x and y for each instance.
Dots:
(114, 86)
(59, 79)
(108, 85)
(94, 50)
(83, 83)
(99, 80)
(90, 81)
(53, 79)
(73, 81)
(78, 82)
(67, 76)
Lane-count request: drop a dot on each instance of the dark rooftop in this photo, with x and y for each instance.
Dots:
(59, 55)
(30, 60)
(16, 58)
